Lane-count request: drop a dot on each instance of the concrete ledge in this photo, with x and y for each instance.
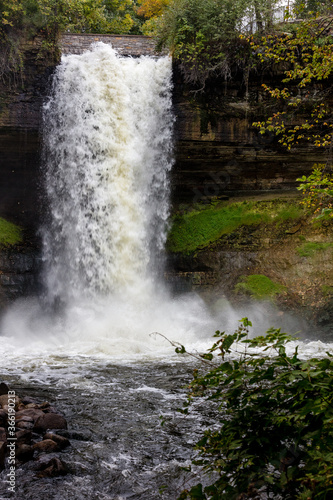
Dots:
(126, 45)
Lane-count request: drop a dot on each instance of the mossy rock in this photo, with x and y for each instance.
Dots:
(10, 234)
(310, 248)
(199, 227)
(259, 286)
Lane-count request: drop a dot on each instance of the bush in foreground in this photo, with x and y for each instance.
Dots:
(276, 415)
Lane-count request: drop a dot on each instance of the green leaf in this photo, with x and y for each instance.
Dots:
(196, 493)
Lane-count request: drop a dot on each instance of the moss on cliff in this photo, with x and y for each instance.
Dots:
(201, 226)
(308, 249)
(10, 234)
(259, 286)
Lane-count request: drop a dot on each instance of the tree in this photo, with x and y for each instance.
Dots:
(122, 16)
(150, 11)
(304, 113)
(274, 432)
(71, 15)
(152, 8)
(307, 8)
(11, 26)
(204, 37)
(22, 20)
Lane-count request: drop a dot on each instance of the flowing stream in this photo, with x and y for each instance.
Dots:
(91, 343)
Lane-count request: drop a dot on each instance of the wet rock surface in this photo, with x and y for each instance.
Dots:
(24, 422)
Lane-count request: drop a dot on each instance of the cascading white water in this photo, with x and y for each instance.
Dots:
(108, 128)
(108, 131)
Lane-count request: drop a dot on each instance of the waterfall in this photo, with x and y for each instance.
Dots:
(108, 151)
(108, 127)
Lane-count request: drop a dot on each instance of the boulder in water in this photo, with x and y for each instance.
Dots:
(3, 436)
(24, 452)
(3, 389)
(23, 437)
(46, 446)
(3, 418)
(32, 413)
(55, 467)
(61, 441)
(4, 401)
(50, 421)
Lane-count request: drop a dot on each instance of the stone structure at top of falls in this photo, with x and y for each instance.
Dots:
(126, 45)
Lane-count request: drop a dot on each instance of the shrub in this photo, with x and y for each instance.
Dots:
(275, 414)
(317, 189)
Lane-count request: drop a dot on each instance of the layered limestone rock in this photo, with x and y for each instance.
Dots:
(218, 153)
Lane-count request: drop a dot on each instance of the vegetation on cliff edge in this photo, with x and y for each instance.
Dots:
(204, 225)
(302, 103)
(22, 21)
(10, 234)
(259, 286)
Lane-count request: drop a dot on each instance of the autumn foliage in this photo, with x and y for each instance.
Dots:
(152, 8)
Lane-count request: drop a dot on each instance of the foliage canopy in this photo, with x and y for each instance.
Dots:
(23, 20)
(204, 37)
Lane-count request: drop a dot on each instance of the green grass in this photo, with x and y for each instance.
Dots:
(309, 248)
(289, 212)
(327, 290)
(205, 225)
(10, 234)
(259, 286)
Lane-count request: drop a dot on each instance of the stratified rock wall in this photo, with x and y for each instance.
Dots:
(20, 139)
(219, 152)
(126, 45)
(19, 175)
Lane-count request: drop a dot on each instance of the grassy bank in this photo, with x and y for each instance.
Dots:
(204, 225)
(10, 234)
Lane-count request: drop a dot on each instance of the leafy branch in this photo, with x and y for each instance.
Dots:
(275, 413)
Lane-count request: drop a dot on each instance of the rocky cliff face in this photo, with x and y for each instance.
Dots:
(220, 154)
(295, 254)
(20, 138)
(21, 171)
(217, 153)
(19, 269)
